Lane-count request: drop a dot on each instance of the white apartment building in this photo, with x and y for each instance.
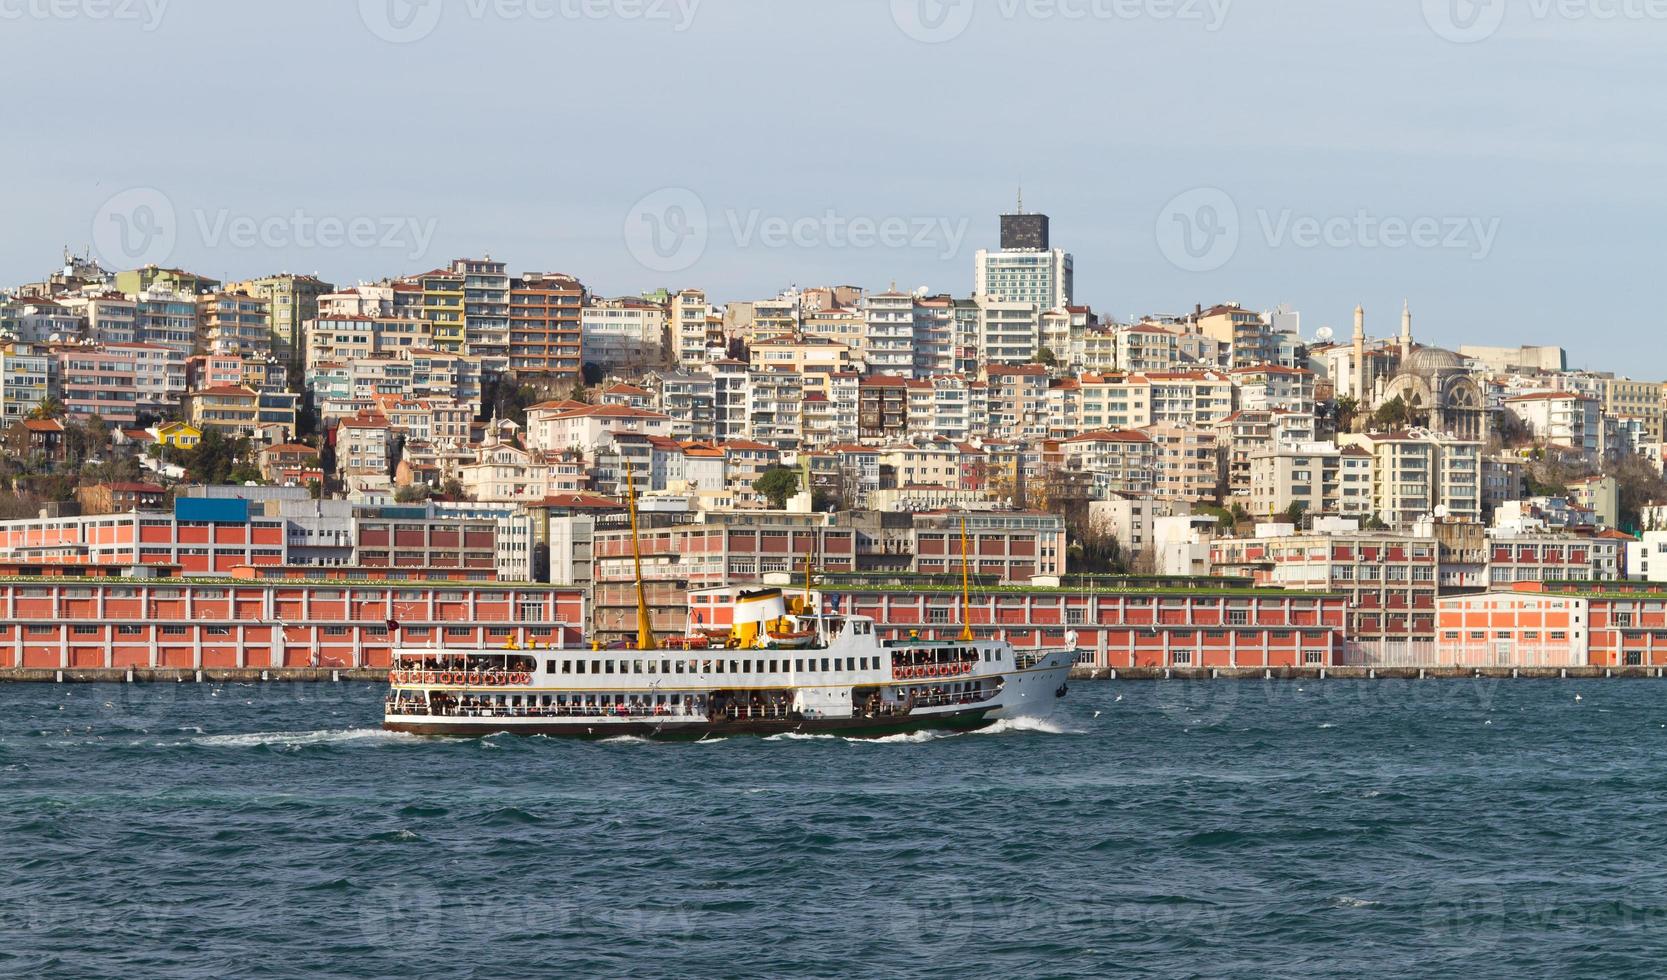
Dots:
(888, 346)
(1566, 419)
(1417, 473)
(625, 334)
(689, 314)
(1009, 332)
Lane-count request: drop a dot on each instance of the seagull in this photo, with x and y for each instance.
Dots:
(1579, 698)
(1119, 697)
(1096, 714)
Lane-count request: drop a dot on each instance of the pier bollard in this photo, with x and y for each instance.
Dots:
(1372, 674)
(199, 676)
(130, 675)
(1267, 675)
(59, 677)
(1322, 673)
(264, 676)
(1514, 674)
(1607, 673)
(1420, 673)
(1214, 674)
(1564, 673)
(1114, 673)
(335, 677)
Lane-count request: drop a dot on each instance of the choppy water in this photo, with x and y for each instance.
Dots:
(1489, 829)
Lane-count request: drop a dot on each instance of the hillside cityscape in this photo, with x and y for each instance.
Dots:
(471, 424)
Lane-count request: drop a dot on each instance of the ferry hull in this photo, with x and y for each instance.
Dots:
(595, 729)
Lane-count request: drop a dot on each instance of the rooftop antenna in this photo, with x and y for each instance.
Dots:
(1021, 197)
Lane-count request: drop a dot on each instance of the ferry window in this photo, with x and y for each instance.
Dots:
(799, 665)
(746, 666)
(772, 666)
(679, 664)
(654, 666)
(824, 663)
(610, 665)
(550, 666)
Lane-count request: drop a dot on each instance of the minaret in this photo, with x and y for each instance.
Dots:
(1406, 331)
(1360, 392)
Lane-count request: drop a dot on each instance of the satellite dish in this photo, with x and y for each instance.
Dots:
(1324, 334)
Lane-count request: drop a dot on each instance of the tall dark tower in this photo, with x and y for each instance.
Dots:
(1024, 232)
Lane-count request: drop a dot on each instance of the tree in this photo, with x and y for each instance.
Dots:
(219, 459)
(415, 493)
(777, 484)
(1639, 483)
(453, 488)
(1392, 414)
(1348, 407)
(1096, 550)
(1293, 513)
(395, 454)
(1046, 357)
(47, 408)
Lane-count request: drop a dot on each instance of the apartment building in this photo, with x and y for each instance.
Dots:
(234, 323)
(1643, 400)
(291, 300)
(1018, 401)
(624, 334)
(25, 378)
(1122, 461)
(546, 336)
(1319, 477)
(1568, 420)
(1188, 465)
(344, 339)
(1417, 473)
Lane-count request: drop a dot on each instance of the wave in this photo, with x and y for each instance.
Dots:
(902, 738)
(1041, 726)
(292, 739)
(626, 740)
(798, 737)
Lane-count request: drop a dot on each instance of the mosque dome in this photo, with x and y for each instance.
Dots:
(1427, 362)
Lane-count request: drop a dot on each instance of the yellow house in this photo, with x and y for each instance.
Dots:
(180, 435)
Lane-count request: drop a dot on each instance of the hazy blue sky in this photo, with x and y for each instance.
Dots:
(1516, 152)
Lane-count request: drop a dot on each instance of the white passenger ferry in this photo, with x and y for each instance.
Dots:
(781, 664)
(782, 667)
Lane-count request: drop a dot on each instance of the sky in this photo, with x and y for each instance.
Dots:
(1496, 164)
